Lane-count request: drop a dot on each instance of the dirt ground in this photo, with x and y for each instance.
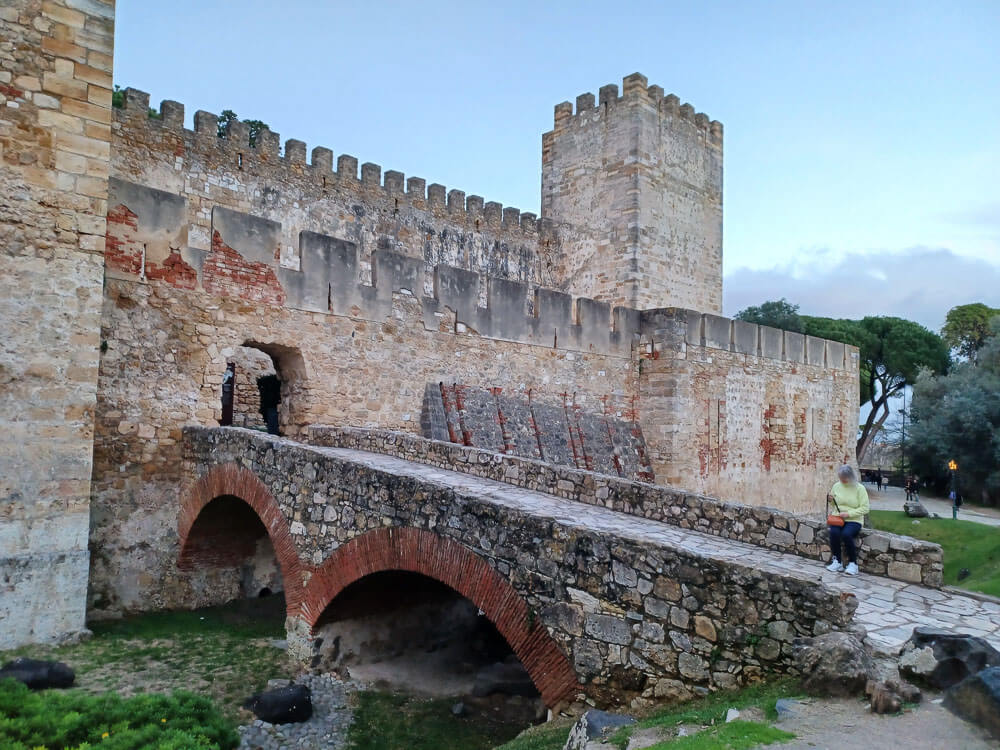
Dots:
(831, 724)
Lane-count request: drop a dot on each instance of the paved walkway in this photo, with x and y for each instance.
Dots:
(888, 609)
(892, 498)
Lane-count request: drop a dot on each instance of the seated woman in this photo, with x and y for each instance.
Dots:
(851, 501)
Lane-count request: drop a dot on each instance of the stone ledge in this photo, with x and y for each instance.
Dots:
(890, 555)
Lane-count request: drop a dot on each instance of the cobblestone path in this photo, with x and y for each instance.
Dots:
(889, 609)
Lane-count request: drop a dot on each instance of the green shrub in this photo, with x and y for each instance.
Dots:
(71, 720)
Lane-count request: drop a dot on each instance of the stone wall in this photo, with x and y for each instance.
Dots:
(166, 351)
(55, 114)
(744, 412)
(640, 178)
(880, 553)
(634, 621)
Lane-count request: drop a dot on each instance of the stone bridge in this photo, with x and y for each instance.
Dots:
(593, 601)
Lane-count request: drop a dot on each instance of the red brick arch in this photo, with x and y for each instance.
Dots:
(234, 481)
(451, 563)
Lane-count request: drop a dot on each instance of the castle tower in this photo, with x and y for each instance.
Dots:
(640, 177)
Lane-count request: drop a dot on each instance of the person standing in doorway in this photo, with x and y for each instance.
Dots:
(270, 396)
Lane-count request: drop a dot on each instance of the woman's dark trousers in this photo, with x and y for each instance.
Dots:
(845, 536)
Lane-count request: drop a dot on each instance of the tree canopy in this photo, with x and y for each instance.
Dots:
(775, 313)
(255, 126)
(967, 327)
(957, 417)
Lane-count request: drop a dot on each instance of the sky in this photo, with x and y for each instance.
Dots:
(862, 140)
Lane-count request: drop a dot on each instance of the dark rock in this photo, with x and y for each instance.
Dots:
(835, 664)
(39, 674)
(286, 705)
(915, 510)
(940, 658)
(964, 573)
(595, 725)
(977, 699)
(503, 677)
(459, 709)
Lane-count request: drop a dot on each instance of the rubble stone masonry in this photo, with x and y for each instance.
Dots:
(55, 132)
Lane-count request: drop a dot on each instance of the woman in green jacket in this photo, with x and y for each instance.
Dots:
(851, 501)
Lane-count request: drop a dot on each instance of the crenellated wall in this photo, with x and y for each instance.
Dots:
(744, 412)
(374, 210)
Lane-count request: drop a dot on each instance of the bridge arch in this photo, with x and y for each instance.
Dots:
(231, 482)
(458, 567)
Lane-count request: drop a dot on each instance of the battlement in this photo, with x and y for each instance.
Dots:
(669, 327)
(471, 210)
(635, 88)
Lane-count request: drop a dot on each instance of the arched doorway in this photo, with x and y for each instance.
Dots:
(434, 559)
(235, 541)
(254, 360)
(228, 536)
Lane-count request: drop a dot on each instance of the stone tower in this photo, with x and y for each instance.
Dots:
(640, 177)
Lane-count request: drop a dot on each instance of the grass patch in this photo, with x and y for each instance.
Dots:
(388, 721)
(222, 652)
(736, 735)
(71, 719)
(966, 544)
(709, 711)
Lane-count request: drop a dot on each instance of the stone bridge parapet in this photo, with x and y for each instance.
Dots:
(891, 555)
(593, 602)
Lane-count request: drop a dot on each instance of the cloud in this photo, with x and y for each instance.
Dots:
(919, 283)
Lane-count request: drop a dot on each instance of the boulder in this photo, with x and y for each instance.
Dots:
(39, 674)
(507, 678)
(593, 728)
(977, 699)
(940, 658)
(888, 697)
(834, 664)
(285, 705)
(915, 509)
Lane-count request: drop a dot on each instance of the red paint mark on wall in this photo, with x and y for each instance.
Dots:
(228, 273)
(767, 443)
(11, 91)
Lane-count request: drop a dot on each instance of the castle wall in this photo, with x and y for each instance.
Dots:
(55, 113)
(169, 339)
(639, 177)
(375, 211)
(745, 412)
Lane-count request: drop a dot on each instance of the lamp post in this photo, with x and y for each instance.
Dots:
(953, 467)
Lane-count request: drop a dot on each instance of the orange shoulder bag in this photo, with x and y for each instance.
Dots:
(832, 519)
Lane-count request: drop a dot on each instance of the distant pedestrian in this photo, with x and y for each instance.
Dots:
(878, 480)
(850, 498)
